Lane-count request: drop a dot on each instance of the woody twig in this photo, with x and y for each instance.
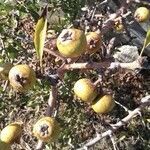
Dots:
(145, 102)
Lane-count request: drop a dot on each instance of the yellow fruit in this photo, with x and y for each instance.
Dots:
(142, 14)
(119, 26)
(22, 77)
(4, 146)
(46, 129)
(4, 70)
(103, 105)
(11, 133)
(94, 42)
(71, 43)
(85, 90)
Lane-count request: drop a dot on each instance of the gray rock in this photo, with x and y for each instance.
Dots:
(126, 53)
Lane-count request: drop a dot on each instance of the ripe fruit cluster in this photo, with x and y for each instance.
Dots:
(74, 42)
(45, 129)
(87, 92)
(21, 78)
(71, 43)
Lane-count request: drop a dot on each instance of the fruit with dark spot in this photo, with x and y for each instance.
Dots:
(103, 104)
(46, 129)
(85, 90)
(94, 42)
(71, 42)
(119, 26)
(142, 14)
(22, 77)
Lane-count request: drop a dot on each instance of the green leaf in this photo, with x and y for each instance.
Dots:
(147, 39)
(40, 34)
(146, 42)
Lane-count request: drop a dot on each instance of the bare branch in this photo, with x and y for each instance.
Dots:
(144, 103)
(125, 108)
(55, 53)
(113, 141)
(51, 101)
(39, 145)
(86, 65)
(106, 64)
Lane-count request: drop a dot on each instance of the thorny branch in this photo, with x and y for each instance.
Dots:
(137, 64)
(145, 101)
(54, 53)
(51, 101)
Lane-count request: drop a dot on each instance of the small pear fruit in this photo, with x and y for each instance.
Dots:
(142, 14)
(4, 70)
(22, 77)
(94, 42)
(46, 129)
(11, 133)
(103, 104)
(85, 90)
(119, 26)
(71, 43)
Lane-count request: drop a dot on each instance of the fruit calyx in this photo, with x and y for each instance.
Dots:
(66, 36)
(45, 130)
(92, 43)
(21, 80)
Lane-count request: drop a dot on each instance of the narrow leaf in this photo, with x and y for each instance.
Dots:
(40, 34)
(147, 39)
(146, 42)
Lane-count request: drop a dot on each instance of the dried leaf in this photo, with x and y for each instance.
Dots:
(40, 34)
